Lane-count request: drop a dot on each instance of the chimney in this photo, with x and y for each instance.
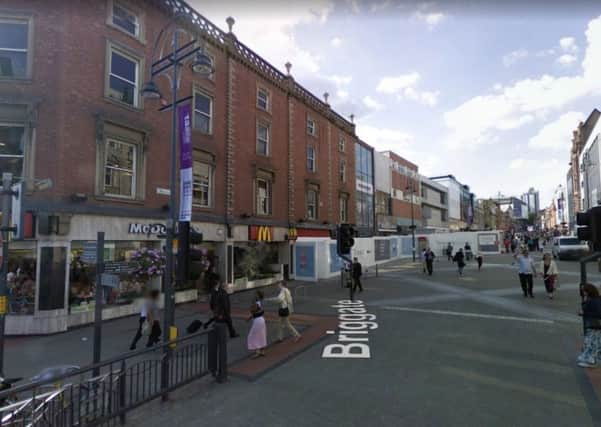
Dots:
(288, 66)
(230, 23)
(325, 97)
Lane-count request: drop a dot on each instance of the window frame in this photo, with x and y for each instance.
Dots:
(312, 132)
(268, 197)
(342, 144)
(23, 157)
(210, 186)
(132, 56)
(313, 158)
(343, 202)
(200, 92)
(342, 171)
(27, 20)
(133, 10)
(315, 215)
(267, 125)
(134, 170)
(267, 92)
(137, 22)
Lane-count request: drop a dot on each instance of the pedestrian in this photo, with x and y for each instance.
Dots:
(479, 260)
(513, 245)
(257, 336)
(468, 251)
(450, 252)
(526, 271)
(591, 312)
(357, 273)
(149, 320)
(212, 298)
(285, 310)
(429, 257)
(459, 258)
(549, 273)
(223, 309)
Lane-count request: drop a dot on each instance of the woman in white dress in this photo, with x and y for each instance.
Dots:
(257, 336)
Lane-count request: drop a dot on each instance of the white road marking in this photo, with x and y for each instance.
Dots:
(462, 314)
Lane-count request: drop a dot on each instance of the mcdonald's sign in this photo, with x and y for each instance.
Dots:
(292, 234)
(260, 233)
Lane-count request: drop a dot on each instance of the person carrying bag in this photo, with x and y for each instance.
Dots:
(284, 300)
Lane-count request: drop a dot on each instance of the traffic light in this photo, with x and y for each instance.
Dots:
(345, 239)
(589, 227)
(188, 258)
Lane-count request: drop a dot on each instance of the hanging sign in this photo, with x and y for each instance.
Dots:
(185, 149)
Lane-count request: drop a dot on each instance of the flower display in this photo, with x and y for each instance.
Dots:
(148, 263)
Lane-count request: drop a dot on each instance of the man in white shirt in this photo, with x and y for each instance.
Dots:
(526, 271)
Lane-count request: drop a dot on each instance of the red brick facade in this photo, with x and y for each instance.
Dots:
(66, 96)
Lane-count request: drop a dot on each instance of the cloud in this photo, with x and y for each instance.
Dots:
(336, 42)
(566, 59)
(432, 19)
(379, 6)
(512, 106)
(512, 57)
(568, 44)
(272, 32)
(383, 139)
(557, 135)
(372, 104)
(405, 86)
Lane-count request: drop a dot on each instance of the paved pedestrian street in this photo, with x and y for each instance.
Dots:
(447, 351)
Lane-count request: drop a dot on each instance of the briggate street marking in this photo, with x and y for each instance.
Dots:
(353, 336)
(462, 314)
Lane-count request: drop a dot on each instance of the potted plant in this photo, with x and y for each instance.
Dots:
(149, 265)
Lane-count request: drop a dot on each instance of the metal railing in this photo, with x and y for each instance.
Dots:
(102, 394)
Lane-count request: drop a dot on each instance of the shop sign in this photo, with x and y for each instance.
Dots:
(89, 253)
(119, 267)
(364, 187)
(185, 161)
(292, 234)
(261, 233)
(147, 229)
(382, 249)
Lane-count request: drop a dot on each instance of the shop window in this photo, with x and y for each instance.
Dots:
(123, 76)
(203, 113)
(15, 47)
(312, 203)
(263, 138)
(21, 281)
(263, 194)
(255, 261)
(12, 149)
(263, 99)
(343, 209)
(311, 160)
(120, 166)
(202, 191)
(125, 19)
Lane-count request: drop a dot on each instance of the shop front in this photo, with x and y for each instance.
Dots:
(260, 256)
(52, 280)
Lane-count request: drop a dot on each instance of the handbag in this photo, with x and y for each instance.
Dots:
(146, 328)
(283, 312)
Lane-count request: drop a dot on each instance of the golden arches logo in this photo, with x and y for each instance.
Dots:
(264, 234)
(292, 234)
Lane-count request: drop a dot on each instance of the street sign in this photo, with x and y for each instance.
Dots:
(163, 191)
(110, 280)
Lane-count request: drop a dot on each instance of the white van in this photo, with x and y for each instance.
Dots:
(569, 247)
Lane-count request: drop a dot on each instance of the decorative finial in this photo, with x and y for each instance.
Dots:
(288, 66)
(230, 23)
(352, 118)
(325, 96)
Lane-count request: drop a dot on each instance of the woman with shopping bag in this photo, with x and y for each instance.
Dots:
(284, 300)
(549, 273)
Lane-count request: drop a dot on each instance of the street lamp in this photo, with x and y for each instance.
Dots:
(203, 65)
(410, 188)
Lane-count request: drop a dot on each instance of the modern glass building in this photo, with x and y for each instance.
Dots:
(364, 188)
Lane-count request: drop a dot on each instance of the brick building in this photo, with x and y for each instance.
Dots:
(271, 160)
(398, 195)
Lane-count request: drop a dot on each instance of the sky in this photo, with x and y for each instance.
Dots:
(485, 91)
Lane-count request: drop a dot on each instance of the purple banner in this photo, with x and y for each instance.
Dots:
(185, 162)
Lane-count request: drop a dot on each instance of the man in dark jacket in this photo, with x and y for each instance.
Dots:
(222, 308)
(357, 272)
(429, 258)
